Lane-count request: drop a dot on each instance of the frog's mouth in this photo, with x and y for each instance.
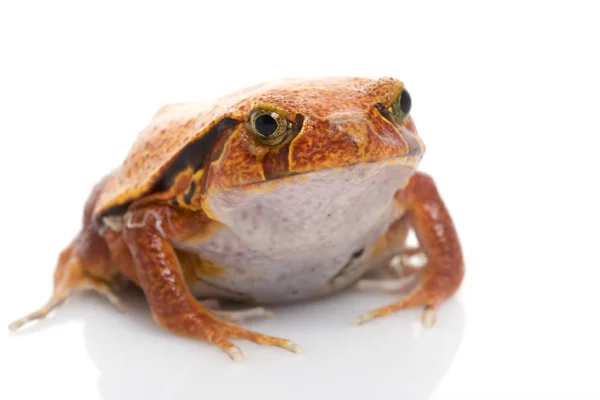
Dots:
(271, 182)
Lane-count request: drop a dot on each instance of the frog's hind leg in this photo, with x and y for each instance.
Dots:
(85, 265)
(443, 272)
(70, 277)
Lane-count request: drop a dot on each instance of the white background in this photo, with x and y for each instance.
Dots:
(506, 97)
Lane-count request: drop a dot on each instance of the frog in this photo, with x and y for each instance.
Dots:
(285, 191)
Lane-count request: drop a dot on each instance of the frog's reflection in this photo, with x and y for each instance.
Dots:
(385, 358)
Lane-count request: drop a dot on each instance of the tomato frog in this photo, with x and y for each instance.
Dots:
(281, 192)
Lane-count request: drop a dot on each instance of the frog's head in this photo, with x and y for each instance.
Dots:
(295, 130)
(314, 147)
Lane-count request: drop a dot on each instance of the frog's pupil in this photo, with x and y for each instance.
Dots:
(405, 102)
(266, 125)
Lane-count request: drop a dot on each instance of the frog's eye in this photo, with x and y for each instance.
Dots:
(269, 127)
(401, 107)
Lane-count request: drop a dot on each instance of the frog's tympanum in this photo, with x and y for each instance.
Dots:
(281, 192)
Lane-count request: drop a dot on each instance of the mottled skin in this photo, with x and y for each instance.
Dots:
(181, 191)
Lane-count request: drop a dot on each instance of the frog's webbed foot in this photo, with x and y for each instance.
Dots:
(200, 323)
(238, 315)
(442, 271)
(72, 280)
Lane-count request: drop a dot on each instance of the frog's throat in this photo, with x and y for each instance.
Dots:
(372, 183)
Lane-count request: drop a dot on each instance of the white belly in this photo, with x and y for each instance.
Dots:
(308, 237)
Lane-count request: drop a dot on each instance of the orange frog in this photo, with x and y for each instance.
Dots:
(281, 192)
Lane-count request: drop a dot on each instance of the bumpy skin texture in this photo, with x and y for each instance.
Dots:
(149, 220)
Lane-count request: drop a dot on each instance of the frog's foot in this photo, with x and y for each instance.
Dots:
(416, 280)
(238, 315)
(204, 325)
(73, 280)
(416, 298)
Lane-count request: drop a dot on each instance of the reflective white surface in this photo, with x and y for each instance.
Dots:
(126, 356)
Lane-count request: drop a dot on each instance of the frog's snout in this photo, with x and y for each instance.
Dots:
(354, 126)
(370, 137)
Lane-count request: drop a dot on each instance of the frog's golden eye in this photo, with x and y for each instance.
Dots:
(269, 127)
(401, 107)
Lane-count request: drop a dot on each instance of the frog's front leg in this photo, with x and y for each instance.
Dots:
(443, 272)
(147, 232)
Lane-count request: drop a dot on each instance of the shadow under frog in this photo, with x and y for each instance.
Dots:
(388, 357)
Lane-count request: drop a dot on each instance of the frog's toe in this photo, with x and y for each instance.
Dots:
(64, 291)
(40, 313)
(234, 353)
(237, 332)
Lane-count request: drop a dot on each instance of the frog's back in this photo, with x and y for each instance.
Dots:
(156, 147)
